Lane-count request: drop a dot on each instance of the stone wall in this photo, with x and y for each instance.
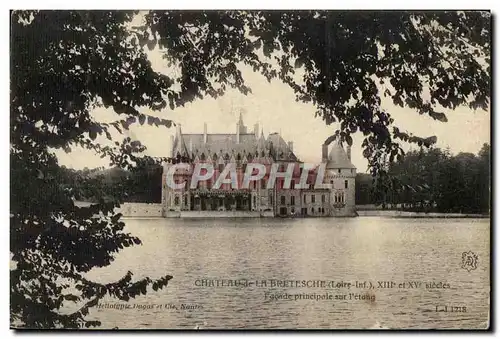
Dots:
(287, 205)
(318, 208)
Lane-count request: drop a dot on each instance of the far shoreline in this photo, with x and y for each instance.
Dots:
(416, 215)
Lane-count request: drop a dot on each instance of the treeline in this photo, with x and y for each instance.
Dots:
(431, 180)
(141, 183)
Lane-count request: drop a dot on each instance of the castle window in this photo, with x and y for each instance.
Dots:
(292, 185)
(221, 168)
(263, 183)
(339, 197)
(270, 199)
(292, 200)
(305, 198)
(312, 210)
(322, 198)
(176, 201)
(185, 200)
(346, 183)
(244, 166)
(283, 200)
(339, 170)
(313, 198)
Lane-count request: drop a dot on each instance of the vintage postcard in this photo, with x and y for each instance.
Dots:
(250, 170)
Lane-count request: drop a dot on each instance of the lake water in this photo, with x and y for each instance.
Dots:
(359, 249)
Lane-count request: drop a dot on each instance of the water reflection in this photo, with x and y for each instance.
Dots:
(357, 249)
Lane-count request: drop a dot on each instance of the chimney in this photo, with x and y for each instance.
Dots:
(290, 146)
(172, 146)
(324, 155)
(205, 133)
(348, 152)
(256, 130)
(238, 132)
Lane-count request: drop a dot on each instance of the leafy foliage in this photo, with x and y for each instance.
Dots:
(347, 61)
(64, 64)
(432, 180)
(141, 183)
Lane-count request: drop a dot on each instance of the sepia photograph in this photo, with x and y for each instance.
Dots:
(250, 170)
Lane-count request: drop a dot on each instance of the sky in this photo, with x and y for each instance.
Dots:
(273, 106)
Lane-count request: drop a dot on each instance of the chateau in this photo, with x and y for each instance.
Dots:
(243, 148)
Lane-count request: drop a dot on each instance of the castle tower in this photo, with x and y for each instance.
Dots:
(340, 173)
(175, 200)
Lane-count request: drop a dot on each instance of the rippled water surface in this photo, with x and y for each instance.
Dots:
(340, 250)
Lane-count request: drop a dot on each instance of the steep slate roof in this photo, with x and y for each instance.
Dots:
(279, 148)
(222, 144)
(192, 145)
(338, 158)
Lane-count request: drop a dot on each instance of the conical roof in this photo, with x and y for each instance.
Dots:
(338, 158)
